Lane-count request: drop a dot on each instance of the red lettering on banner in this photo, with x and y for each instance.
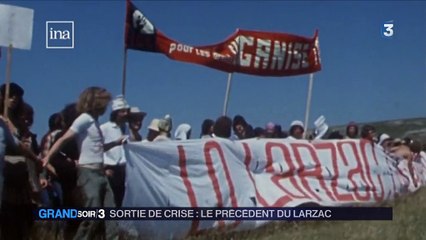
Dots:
(412, 173)
(357, 170)
(247, 161)
(278, 57)
(316, 172)
(190, 191)
(407, 179)
(272, 54)
(245, 59)
(289, 51)
(334, 181)
(247, 158)
(393, 183)
(277, 177)
(417, 158)
(208, 147)
(364, 144)
(262, 53)
(393, 174)
(297, 59)
(332, 149)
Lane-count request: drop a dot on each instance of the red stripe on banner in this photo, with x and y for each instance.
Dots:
(209, 146)
(281, 202)
(247, 158)
(358, 170)
(416, 179)
(188, 186)
(291, 171)
(402, 172)
(393, 181)
(247, 161)
(212, 174)
(364, 144)
(332, 149)
(340, 197)
(276, 178)
(303, 173)
(412, 173)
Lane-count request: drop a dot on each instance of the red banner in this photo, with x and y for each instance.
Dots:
(250, 52)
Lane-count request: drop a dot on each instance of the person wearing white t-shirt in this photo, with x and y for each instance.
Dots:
(115, 159)
(91, 178)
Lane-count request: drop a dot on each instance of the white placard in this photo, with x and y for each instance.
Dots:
(16, 26)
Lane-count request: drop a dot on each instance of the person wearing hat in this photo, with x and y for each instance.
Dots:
(296, 130)
(164, 128)
(385, 141)
(183, 132)
(115, 159)
(153, 130)
(136, 117)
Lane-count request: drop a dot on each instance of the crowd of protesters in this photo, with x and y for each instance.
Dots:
(81, 162)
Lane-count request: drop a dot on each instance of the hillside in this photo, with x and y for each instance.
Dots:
(413, 127)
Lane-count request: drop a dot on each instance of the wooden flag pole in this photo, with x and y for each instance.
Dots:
(7, 83)
(123, 81)
(308, 103)
(228, 90)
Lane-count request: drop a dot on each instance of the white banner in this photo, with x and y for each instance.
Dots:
(16, 26)
(259, 173)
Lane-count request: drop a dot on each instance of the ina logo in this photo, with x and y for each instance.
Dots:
(60, 34)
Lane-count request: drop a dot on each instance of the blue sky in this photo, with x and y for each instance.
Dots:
(364, 76)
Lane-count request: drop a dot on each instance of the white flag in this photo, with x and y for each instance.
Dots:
(16, 26)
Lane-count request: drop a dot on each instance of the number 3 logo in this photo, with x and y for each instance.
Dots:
(388, 29)
(101, 213)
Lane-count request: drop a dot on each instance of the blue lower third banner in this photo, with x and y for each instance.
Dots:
(242, 214)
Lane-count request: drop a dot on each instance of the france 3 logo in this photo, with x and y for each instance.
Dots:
(387, 29)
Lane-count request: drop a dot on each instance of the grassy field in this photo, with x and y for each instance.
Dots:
(409, 222)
